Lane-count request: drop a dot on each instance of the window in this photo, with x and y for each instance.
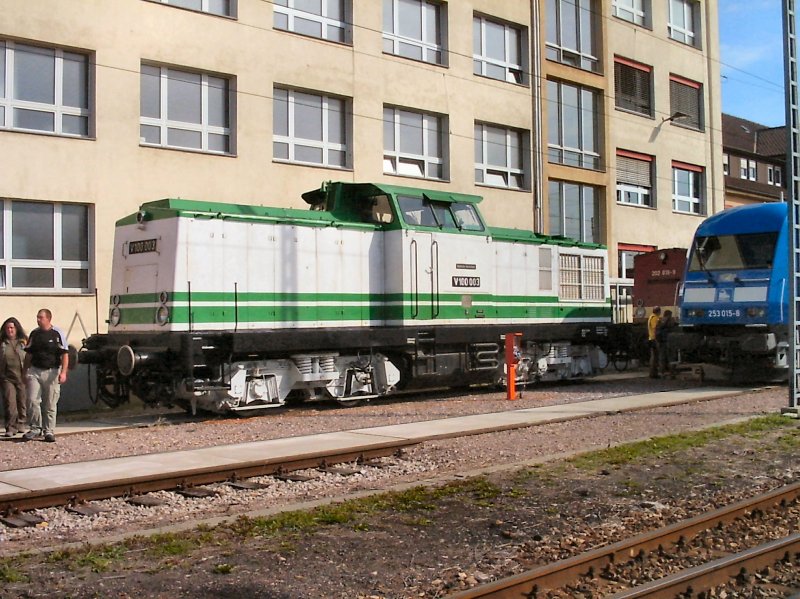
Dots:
(582, 277)
(574, 211)
(44, 246)
(747, 169)
(413, 28)
(425, 212)
(324, 19)
(181, 109)
(545, 269)
(687, 188)
(685, 100)
(225, 8)
(499, 157)
(413, 144)
(634, 179)
(572, 125)
(726, 167)
(44, 89)
(774, 175)
(633, 85)
(497, 50)
(635, 11)
(684, 21)
(309, 128)
(571, 34)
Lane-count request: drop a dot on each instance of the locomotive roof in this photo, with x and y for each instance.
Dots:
(756, 218)
(177, 207)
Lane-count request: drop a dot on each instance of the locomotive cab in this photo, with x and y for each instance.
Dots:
(735, 295)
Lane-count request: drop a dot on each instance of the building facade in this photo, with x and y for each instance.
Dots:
(594, 119)
(753, 162)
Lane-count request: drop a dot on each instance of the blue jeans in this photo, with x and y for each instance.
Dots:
(43, 393)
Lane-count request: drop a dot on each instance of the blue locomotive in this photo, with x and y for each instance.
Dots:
(735, 298)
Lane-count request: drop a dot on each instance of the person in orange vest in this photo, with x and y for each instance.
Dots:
(652, 342)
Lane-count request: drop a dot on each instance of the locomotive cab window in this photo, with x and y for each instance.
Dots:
(378, 210)
(756, 250)
(442, 215)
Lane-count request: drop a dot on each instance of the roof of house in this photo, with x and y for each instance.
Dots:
(753, 138)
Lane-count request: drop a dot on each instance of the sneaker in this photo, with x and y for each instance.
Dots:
(50, 438)
(9, 433)
(30, 436)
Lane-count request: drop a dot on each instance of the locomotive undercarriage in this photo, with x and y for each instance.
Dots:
(737, 354)
(247, 371)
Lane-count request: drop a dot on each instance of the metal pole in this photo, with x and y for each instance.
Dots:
(793, 199)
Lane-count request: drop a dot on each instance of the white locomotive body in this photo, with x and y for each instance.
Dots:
(233, 307)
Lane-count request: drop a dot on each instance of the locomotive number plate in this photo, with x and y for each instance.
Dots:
(143, 246)
(466, 281)
(724, 313)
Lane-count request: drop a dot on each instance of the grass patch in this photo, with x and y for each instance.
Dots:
(9, 572)
(170, 545)
(99, 559)
(671, 444)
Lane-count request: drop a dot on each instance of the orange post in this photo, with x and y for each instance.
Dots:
(511, 365)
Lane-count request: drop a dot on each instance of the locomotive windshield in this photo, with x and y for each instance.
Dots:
(442, 215)
(724, 252)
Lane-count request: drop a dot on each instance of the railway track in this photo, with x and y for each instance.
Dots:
(603, 570)
(72, 495)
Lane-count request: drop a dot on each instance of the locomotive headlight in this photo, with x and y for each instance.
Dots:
(115, 316)
(695, 313)
(162, 315)
(756, 312)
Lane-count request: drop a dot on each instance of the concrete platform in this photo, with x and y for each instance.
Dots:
(16, 483)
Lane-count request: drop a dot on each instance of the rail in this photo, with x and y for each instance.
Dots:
(564, 572)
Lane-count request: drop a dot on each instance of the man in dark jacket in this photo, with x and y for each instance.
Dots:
(46, 362)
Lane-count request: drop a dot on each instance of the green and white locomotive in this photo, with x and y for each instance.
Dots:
(228, 307)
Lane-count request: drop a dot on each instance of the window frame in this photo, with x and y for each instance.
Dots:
(204, 128)
(325, 21)
(691, 16)
(677, 104)
(396, 39)
(696, 180)
(646, 195)
(325, 144)
(507, 172)
(514, 73)
(726, 167)
(557, 150)
(232, 8)
(774, 175)
(628, 102)
(57, 109)
(427, 159)
(639, 15)
(590, 231)
(556, 50)
(57, 264)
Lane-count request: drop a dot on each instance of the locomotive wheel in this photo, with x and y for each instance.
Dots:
(349, 402)
(620, 360)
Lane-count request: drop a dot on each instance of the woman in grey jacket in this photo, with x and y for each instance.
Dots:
(12, 376)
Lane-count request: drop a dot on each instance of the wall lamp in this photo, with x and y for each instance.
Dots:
(674, 116)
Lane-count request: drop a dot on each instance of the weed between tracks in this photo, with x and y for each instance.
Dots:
(417, 508)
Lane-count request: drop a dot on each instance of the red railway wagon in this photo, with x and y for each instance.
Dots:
(656, 281)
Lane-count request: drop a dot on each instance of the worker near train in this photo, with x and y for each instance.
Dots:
(652, 342)
(665, 324)
(12, 376)
(46, 362)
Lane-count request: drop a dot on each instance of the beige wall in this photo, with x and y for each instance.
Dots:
(667, 141)
(114, 174)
